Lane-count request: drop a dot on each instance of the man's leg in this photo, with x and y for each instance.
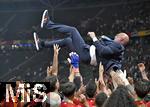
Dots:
(66, 42)
(77, 41)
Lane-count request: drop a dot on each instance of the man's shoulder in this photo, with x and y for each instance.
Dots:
(106, 40)
(112, 43)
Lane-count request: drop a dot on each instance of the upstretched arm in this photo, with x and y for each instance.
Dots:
(74, 61)
(71, 76)
(101, 86)
(101, 71)
(53, 70)
(100, 83)
(55, 59)
(141, 67)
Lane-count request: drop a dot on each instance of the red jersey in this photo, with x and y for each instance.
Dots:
(75, 103)
(91, 102)
(142, 103)
(67, 104)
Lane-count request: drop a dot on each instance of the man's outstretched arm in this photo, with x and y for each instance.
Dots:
(55, 59)
(53, 70)
(101, 49)
(141, 67)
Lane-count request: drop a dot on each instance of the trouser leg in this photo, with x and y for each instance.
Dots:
(78, 43)
(67, 42)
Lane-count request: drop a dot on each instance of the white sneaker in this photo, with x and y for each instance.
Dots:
(45, 18)
(36, 40)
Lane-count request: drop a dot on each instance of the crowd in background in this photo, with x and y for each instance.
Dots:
(129, 18)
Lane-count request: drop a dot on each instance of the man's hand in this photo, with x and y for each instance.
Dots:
(74, 59)
(83, 100)
(141, 67)
(91, 34)
(82, 89)
(117, 80)
(120, 78)
(56, 49)
(131, 81)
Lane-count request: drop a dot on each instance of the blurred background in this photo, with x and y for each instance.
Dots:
(20, 18)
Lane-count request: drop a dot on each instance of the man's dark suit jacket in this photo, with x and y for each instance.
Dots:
(110, 53)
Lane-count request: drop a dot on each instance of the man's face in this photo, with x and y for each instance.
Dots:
(122, 38)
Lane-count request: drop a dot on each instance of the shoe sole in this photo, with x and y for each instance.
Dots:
(43, 16)
(35, 40)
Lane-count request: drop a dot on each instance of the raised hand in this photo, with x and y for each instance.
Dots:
(120, 78)
(91, 34)
(56, 49)
(83, 100)
(82, 89)
(74, 59)
(141, 67)
(117, 80)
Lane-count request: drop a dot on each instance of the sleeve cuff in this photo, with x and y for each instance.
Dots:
(95, 39)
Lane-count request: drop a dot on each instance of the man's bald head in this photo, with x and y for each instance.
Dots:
(122, 38)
